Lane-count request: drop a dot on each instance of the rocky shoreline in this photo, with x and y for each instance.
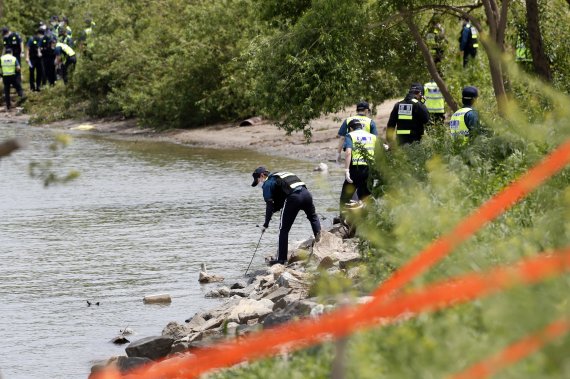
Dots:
(264, 299)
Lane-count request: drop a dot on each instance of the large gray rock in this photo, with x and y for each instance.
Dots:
(195, 322)
(126, 364)
(286, 300)
(154, 348)
(348, 260)
(206, 277)
(329, 246)
(212, 323)
(278, 294)
(248, 309)
(175, 330)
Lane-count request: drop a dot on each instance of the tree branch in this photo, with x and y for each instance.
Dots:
(491, 20)
(457, 10)
(502, 25)
(409, 20)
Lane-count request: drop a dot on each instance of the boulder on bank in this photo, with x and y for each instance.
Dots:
(154, 347)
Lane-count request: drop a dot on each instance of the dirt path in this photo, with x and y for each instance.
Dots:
(262, 137)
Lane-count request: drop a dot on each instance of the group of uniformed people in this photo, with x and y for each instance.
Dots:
(49, 54)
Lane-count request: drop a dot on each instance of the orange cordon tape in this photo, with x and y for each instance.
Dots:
(345, 321)
(493, 208)
(516, 351)
(340, 323)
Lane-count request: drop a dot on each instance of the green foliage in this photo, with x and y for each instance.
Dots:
(426, 190)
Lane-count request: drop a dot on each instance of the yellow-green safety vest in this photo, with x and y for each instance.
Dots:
(457, 125)
(432, 41)
(434, 99)
(66, 49)
(365, 121)
(362, 139)
(9, 64)
(522, 53)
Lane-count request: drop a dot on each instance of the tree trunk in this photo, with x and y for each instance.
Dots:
(539, 58)
(497, 24)
(429, 61)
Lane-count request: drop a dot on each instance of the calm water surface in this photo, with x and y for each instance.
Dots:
(139, 220)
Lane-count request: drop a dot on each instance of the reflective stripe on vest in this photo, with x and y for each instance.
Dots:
(66, 49)
(365, 121)
(362, 140)
(405, 110)
(434, 98)
(474, 36)
(457, 125)
(289, 180)
(9, 63)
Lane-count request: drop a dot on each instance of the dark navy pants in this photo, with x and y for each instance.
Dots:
(296, 201)
(359, 176)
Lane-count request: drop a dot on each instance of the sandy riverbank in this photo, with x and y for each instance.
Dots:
(262, 137)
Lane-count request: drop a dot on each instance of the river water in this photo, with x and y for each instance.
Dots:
(140, 219)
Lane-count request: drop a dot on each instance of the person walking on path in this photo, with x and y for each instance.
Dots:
(464, 123)
(362, 115)
(64, 58)
(34, 59)
(13, 41)
(436, 40)
(10, 67)
(286, 192)
(435, 103)
(468, 41)
(408, 118)
(359, 148)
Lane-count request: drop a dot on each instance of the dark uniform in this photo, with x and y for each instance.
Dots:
(286, 192)
(408, 119)
(468, 42)
(48, 57)
(13, 41)
(36, 64)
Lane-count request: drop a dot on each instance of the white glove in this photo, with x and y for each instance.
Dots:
(338, 157)
(347, 176)
(386, 147)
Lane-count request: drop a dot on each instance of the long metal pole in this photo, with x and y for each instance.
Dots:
(258, 242)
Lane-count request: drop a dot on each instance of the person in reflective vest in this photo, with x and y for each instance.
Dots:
(468, 41)
(286, 192)
(34, 59)
(522, 52)
(435, 103)
(436, 40)
(362, 115)
(408, 118)
(359, 148)
(10, 67)
(464, 123)
(64, 58)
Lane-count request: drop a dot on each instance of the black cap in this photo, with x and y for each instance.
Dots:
(470, 92)
(355, 124)
(417, 88)
(257, 173)
(362, 105)
(5, 30)
(8, 50)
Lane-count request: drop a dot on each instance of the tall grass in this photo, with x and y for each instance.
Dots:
(425, 190)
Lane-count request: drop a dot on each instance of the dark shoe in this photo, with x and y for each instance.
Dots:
(318, 237)
(276, 262)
